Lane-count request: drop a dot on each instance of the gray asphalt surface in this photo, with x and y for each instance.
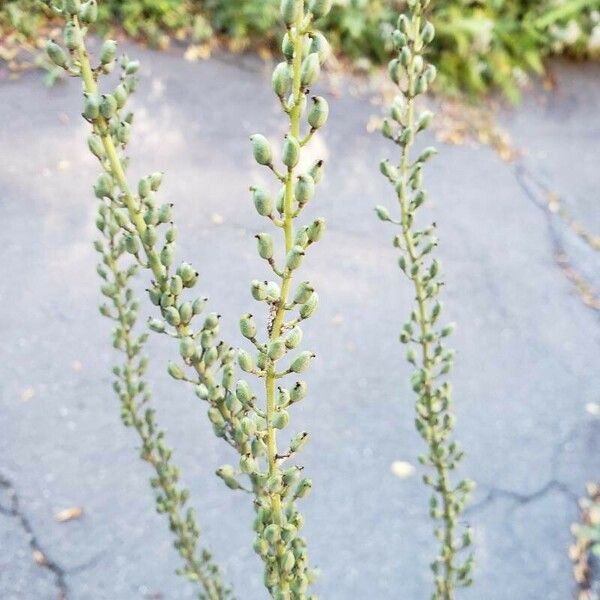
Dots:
(527, 376)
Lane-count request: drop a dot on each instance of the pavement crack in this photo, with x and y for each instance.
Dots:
(14, 510)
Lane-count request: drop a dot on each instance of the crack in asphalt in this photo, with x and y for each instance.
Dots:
(14, 511)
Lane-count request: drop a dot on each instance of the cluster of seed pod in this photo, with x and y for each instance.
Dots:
(276, 488)
(422, 333)
(140, 235)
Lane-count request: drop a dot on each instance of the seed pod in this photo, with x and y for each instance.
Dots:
(310, 70)
(283, 397)
(174, 371)
(287, 562)
(387, 129)
(272, 533)
(121, 94)
(258, 289)
(388, 170)
(399, 39)
(261, 547)
(211, 322)
(304, 189)
(248, 426)
(317, 116)
(227, 474)
(424, 120)
(72, 36)
(243, 392)
(104, 186)
(131, 67)
(290, 11)
(301, 238)
(294, 258)
(186, 312)
(176, 285)
(405, 56)
(301, 362)
(248, 465)
(316, 230)
(303, 489)
(428, 33)
(95, 146)
(89, 11)
(316, 171)
(395, 70)
(430, 73)
(309, 308)
(281, 419)
(294, 338)
(91, 107)
(108, 51)
(108, 106)
(172, 316)
(319, 8)
(303, 293)
(281, 79)
(186, 272)
(426, 154)
(281, 201)
(262, 201)
(298, 392)
(165, 213)
(446, 331)
(187, 347)
(265, 245)
(287, 47)
(261, 148)
(56, 54)
(382, 213)
(403, 24)
(248, 326)
(276, 349)
(421, 85)
(245, 361)
(320, 45)
(299, 441)
(132, 244)
(291, 152)
(123, 132)
(71, 7)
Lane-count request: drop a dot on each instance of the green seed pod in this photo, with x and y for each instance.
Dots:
(211, 322)
(131, 67)
(449, 329)
(281, 79)
(424, 120)
(243, 392)
(71, 7)
(298, 392)
(156, 325)
(387, 130)
(261, 547)
(395, 70)
(261, 148)
(108, 52)
(310, 70)
(294, 258)
(276, 349)
(245, 361)
(303, 293)
(291, 11)
(227, 474)
(248, 426)
(121, 94)
(167, 255)
(186, 312)
(174, 371)
(265, 245)
(403, 24)
(426, 154)
(72, 36)
(291, 152)
(430, 73)
(95, 146)
(104, 186)
(144, 187)
(165, 213)
(258, 289)
(304, 189)
(294, 338)
(319, 45)
(316, 230)
(248, 465)
(382, 213)
(89, 12)
(186, 272)
(309, 308)
(281, 201)
(317, 116)
(272, 533)
(172, 316)
(108, 106)
(132, 244)
(299, 441)
(176, 285)
(421, 86)
(301, 238)
(187, 347)
(405, 56)
(301, 362)
(149, 236)
(198, 305)
(316, 171)
(303, 489)
(56, 54)
(319, 8)
(91, 107)
(287, 47)
(428, 33)
(417, 65)
(171, 234)
(287, 562)
(262, 201)
(123, 132)
(248, 326)
(388, 170)
(281, 419)
(399, 39)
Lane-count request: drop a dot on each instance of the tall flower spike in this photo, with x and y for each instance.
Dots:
(139, 236)
(422, 333)
(277, 488)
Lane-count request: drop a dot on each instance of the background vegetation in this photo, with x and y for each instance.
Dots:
(480, 44)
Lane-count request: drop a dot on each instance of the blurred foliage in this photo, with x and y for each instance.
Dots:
(480, 44)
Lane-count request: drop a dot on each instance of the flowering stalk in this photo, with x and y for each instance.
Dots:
(131, 224)
(427, 353)
(276, 489)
